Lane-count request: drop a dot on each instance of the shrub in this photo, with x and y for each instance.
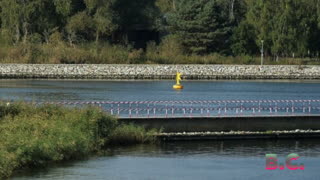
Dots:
(33, 135)
(126, 134)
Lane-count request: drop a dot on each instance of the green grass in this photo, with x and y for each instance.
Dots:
(127, 134)
(33, 136)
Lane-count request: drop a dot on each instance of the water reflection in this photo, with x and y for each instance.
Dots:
(189, 160)
(50, 96)
(244, 148)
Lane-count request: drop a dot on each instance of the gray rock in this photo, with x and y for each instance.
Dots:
(116, 71)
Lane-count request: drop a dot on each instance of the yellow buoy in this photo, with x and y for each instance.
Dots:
(176, 86)
(178, 79)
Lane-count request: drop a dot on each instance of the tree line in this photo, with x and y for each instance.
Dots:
(287, 28)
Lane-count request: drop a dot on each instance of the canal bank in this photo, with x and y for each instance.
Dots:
(239, 135)
(233, 123)
(141, 71)
(231, 128)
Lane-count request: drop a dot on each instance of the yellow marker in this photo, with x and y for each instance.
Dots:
(178, 79)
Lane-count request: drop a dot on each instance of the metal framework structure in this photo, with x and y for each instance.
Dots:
(214, 108)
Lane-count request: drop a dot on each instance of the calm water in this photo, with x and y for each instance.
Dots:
(188, 160)
(45, 90)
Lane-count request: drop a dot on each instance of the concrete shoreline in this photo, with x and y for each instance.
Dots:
(231, 128)
(239, 135)
(225, 124)
(121, 71)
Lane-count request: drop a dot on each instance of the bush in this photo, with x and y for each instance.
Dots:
(7, 162)
(33, 135)
(126, 134)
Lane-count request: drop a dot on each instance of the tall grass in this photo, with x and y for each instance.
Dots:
(126, 134)
(169, 51)
(32, 136)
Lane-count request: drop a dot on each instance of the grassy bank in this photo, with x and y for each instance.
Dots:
(35, 136)
(168, 52)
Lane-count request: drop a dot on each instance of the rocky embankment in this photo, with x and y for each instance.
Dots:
(113, 71)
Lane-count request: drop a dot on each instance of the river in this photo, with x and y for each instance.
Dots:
(241, 160)
(89, 90)
(175, 160)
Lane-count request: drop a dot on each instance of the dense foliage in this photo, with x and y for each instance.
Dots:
(288, 28)
(33, 136)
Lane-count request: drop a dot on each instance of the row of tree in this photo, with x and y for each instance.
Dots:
(286, 27)
(23, 20)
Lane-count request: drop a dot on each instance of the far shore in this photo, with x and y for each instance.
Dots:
(156, 72)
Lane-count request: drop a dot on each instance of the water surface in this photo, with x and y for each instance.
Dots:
(190, 160)
(178, 160)
(98, 90)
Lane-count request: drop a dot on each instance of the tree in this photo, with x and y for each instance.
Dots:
(79, 25)
(243, 40)
(10, 19)
(104, 17)
(166, 6)
(137, 14)
(98, 16)
(202, 25)
(285, 26)
(23, 18)
(63, 7)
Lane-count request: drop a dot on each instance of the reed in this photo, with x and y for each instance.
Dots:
(169, 51)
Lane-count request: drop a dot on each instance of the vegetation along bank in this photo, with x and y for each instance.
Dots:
(33, 136)
(160, 31)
